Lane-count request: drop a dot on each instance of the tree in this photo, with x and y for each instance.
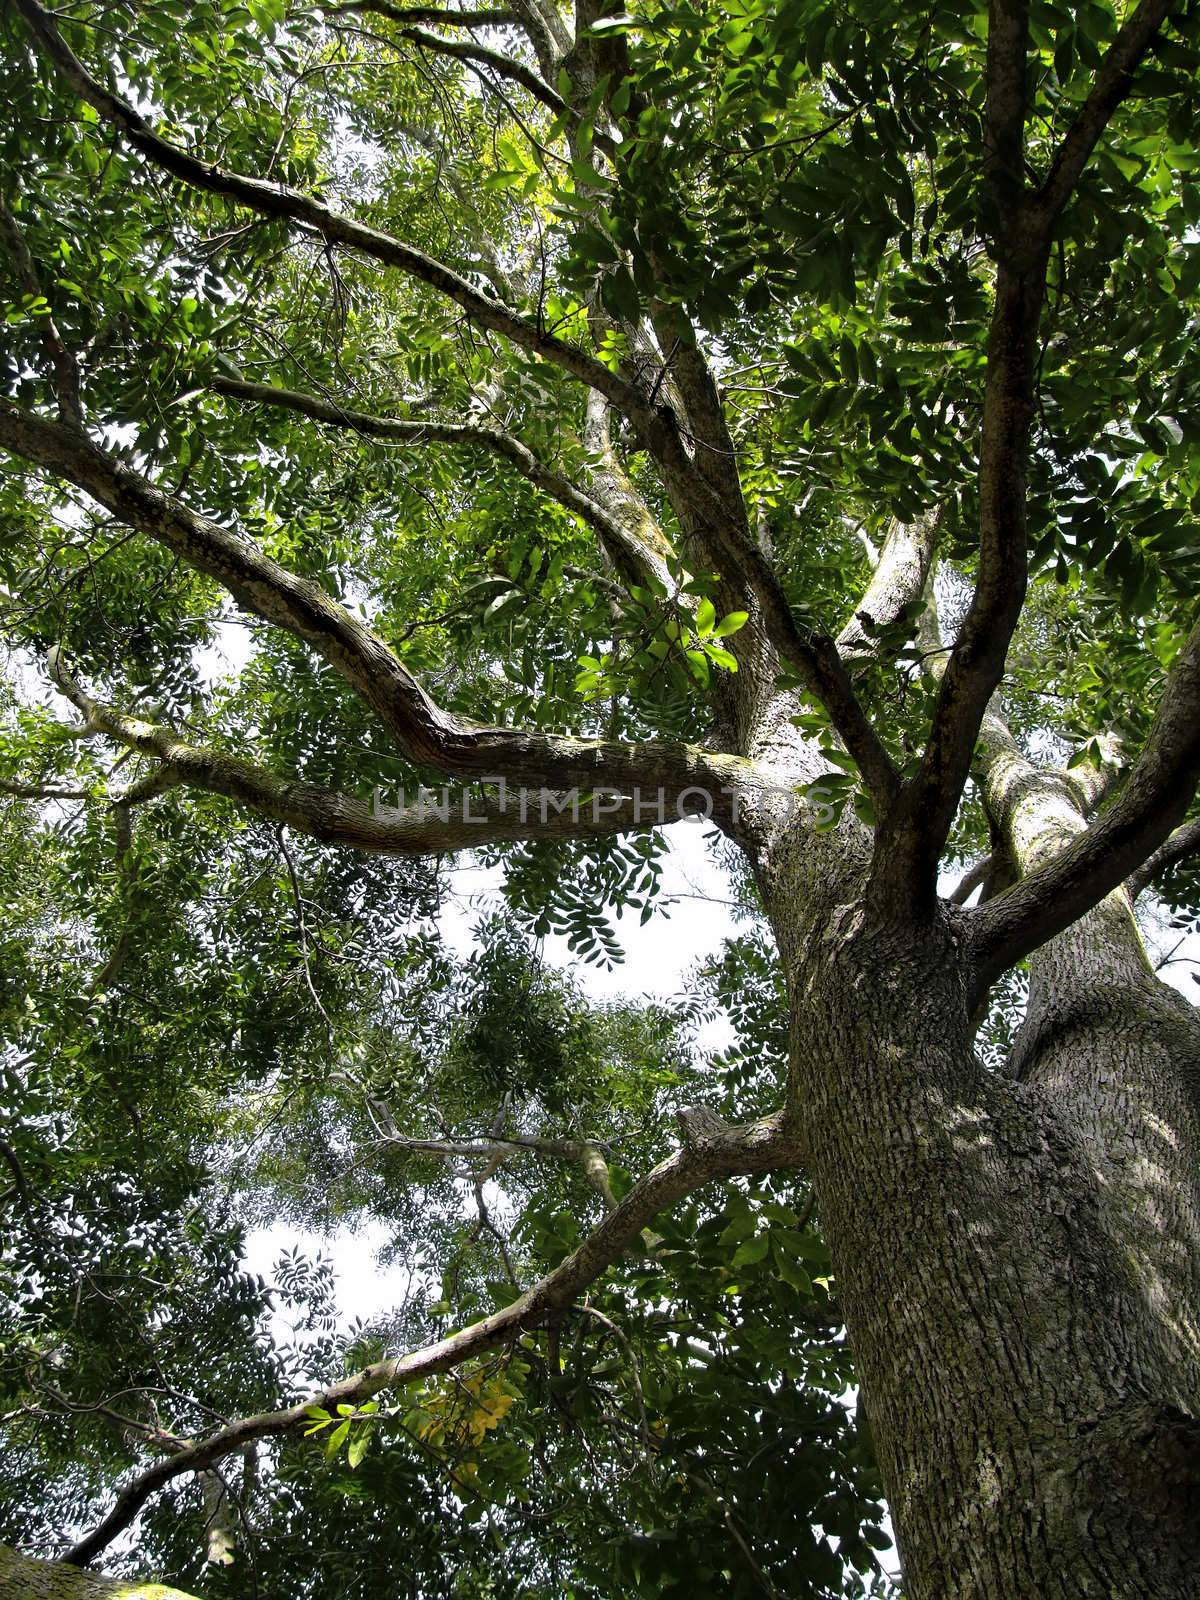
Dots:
(41, 1580)
(631, 404)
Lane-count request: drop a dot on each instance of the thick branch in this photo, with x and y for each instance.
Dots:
(1154, 800)
(1004, 112)
(427, 734)
(758, 1147)
(612, 530)
(897, 583)
(913, 842)
(278, 200)
(335, 817)
(441, 16)
(26, 1578)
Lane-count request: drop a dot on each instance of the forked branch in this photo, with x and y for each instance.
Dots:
(761, 1146)
(613, 531)
(278, 200)
(814, 657)
(1021, 227)
(423, 731)
(1154, 799)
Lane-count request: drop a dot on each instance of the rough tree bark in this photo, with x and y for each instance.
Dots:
(1016, 1256)
(1018, 1253)
(23, 1578)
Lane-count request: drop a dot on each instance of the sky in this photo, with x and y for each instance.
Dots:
(693, 918)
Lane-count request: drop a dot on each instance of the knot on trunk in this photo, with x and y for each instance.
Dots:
(1147, 1455)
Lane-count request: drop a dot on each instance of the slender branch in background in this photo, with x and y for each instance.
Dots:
(972, 879)
(643, 547)
(716, 454)
(618, 1333)
(487, 1148)
(505, 67)
(814, 657)
(443, 16)
(763, 1146)
(1181, 844)
(612, 530)
(726, 538)
(495, 1148)
(302, 932)
(123, 862)
(63, 365)
(739, 1538)
(901, 574)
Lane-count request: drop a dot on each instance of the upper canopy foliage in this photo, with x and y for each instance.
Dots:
(588, 365)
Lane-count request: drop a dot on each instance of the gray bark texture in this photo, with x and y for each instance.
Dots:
(1017, 1252)
(23, 1578)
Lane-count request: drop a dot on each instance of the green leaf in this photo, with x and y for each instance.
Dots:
(620, 295)
(721, 658)
(752, 1251)
(731, 622)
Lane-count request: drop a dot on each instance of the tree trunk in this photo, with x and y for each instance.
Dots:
(1016, 1255)
(23, 1578)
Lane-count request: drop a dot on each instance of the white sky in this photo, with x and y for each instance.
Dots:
(694, 919)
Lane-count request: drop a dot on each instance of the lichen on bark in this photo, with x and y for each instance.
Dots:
(24, 1578)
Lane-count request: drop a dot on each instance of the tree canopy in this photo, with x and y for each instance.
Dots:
(523, 393)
